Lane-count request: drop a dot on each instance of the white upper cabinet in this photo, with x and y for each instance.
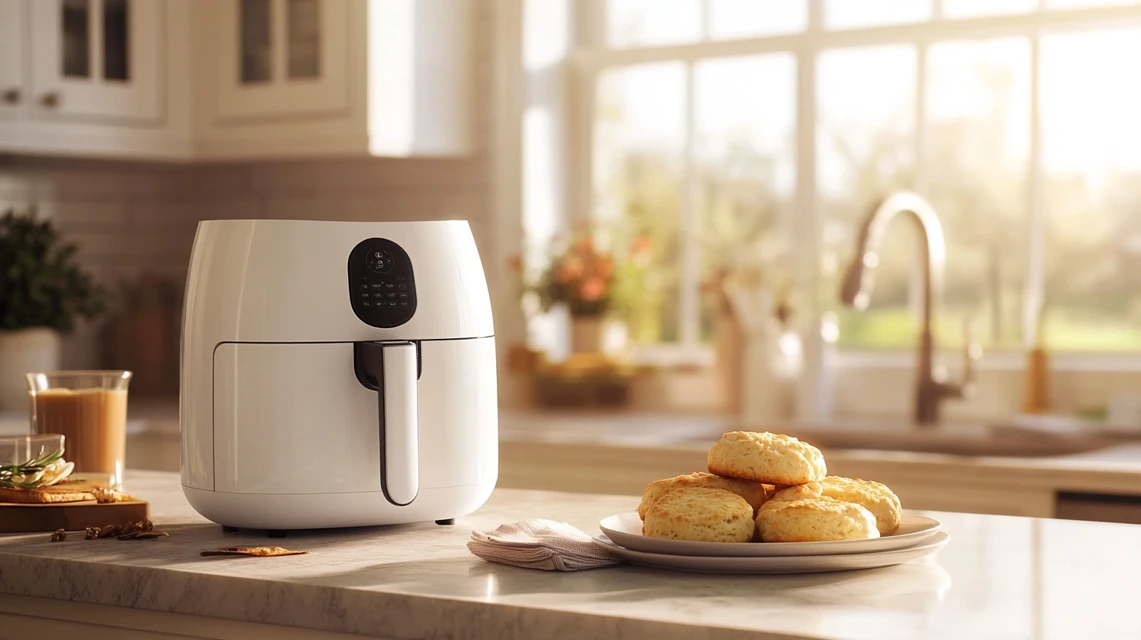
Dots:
(236, 79)
(281, 57)
(97, 59)
(304, 78)
(95, 78)
(11, 57)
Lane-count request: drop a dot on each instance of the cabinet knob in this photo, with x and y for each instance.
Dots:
(50, 100)
(11, 96)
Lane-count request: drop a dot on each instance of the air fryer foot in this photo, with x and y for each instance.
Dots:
(228, 529)
(276, 533)
(446, 521)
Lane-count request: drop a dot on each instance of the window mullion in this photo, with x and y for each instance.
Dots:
(919, 182)
(689, 276)
(1036, 225)
(806, 223)
(581, 85)
(590, 23)
(706, 22)
(919, 179)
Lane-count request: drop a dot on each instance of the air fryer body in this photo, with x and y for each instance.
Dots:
(337, 374)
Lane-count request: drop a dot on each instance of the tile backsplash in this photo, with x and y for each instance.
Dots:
(133, 219)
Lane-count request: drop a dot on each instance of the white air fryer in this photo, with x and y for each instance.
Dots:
(337, 374)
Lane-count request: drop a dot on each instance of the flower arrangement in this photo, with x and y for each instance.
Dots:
(588, 275)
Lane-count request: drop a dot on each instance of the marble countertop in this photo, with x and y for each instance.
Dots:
(1000, 577)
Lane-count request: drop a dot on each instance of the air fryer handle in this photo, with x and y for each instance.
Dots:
(397, 414)
(397, 396)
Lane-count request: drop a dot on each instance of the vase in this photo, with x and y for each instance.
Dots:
(587, 334)
(21, 352)
(772, 367)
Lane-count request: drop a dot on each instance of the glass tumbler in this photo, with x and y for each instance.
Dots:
(89, 408)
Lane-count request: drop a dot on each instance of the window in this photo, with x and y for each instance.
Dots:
(865, 128)
(1091, 164)
(745, 133)
(639, 154)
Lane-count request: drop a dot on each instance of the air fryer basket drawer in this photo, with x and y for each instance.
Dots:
(295, 418)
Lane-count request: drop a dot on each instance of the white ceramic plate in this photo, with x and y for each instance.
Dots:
(625, 529)
(776, 564)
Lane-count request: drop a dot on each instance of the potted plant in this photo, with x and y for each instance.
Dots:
(594, 282)
(43, 291)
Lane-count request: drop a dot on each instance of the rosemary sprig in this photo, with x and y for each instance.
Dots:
(29, 468)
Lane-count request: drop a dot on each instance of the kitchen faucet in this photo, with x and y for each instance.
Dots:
(931, 387)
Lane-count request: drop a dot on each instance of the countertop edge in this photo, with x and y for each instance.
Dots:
(402, 614)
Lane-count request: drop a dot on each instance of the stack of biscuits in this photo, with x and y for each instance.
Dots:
(767, 487)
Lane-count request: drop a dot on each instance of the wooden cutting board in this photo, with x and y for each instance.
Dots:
(71, 516)
(29, 517)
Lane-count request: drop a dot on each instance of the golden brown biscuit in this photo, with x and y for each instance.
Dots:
(873, 496)
(814, 520)
(701, 514)
(770, 458)
(754, 493)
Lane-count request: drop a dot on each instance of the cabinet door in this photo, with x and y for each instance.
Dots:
(281, 57)
(12, 90)
(98, 59)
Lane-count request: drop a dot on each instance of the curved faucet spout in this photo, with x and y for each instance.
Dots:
(858, 283)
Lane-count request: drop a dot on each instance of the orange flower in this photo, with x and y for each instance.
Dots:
(640, 250)
(593, 289)
(640, 246)
(585, 246)
(570, 270)
(604, 267)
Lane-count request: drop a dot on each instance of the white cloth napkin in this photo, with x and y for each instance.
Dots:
(540, 544)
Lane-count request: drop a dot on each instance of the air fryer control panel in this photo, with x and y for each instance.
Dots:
(381, 286)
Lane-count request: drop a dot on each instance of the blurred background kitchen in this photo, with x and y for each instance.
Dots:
(667, 196)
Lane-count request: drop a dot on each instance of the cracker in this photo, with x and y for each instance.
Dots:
(44, 496)
(262, 552)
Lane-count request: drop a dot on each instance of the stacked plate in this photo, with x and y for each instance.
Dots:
(917, 536)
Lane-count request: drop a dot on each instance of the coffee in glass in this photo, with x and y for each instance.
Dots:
(89, 408)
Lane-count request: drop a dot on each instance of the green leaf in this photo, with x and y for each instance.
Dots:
(42, 283)
(36, 464)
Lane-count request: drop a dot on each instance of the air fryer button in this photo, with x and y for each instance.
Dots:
(377, 285)
(403, 287)
(404, 304)
(365, 303)
(390, 294)
(380, 261)
(378, 295)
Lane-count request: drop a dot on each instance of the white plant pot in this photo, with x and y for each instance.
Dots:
(22, 352)
(597, 335)
(772, 368)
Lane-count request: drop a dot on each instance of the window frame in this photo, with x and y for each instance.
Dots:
(591, 57)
